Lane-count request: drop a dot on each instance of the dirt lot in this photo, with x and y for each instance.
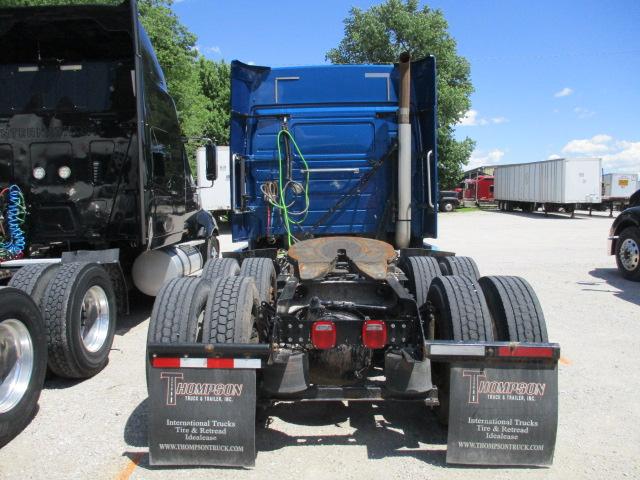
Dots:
(97, 428)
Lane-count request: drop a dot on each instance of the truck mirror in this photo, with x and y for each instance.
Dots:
(211, 161)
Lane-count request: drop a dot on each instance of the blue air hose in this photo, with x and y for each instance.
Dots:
(14, 246)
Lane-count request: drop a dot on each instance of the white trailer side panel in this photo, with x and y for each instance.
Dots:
(619, 185)
(215, 195)
(574, 180)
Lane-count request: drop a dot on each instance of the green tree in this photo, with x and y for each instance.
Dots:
(215, 81)
(380, 34)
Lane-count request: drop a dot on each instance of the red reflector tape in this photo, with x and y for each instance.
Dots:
(163, 362)
(534, 352)
(228, 363)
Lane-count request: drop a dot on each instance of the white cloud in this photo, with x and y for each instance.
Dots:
(214, 49)
(583, 112)
(625, 159)
(481, 158)
(617, 155)
(596, 144)
(473, 119)
(565, 92)
(553, 156)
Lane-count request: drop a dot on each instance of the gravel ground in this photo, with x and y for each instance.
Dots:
(97, 428)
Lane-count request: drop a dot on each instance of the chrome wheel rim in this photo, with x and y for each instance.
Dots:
(16, 363)
(94, 318)
(629, 254)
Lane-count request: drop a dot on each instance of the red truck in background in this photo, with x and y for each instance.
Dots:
(478, 189)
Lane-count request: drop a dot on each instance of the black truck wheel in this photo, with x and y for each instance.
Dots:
(178, 311)
(460, 266)
(420, 271)
(79, 310)
(219, 268)
(23, 361)
(33, 279)
(264, 274)
(231, 312)
(448, 207)
(460, 313)
(515, 309)
(628, 253)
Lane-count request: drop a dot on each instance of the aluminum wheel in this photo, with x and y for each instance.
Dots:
(629, 254)
(94, 327)
(16, 363)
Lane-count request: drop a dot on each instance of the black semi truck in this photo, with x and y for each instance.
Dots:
(96, 192)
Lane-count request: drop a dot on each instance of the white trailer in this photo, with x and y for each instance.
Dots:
(619, 186)
(215, 195)
(552, 184)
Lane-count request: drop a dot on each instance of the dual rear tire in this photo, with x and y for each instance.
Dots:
(79, 314)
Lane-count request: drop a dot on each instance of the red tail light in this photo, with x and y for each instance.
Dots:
(374, 333)
(323, 334)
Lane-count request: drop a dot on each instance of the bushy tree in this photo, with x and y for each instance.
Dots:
(381, 33)
(215, 81)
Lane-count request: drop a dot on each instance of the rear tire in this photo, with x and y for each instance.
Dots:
(264, 274)
(460, 266)
(33, 280)
(178, 313)
(448, 207)
(420, 271)
(217, 268)
(515, 309)
(23, 361)
(628, 253)
(231, 311)
(80, 311)
(460, 313)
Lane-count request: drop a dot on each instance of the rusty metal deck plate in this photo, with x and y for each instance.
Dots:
(316, 257)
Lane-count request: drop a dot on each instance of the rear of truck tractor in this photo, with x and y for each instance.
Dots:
(338, 297)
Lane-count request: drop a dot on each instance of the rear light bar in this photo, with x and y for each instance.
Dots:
(187, 362)
(323, 334)
(374, 333)
(444, 349)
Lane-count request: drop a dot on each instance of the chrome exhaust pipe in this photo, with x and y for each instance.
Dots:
(403, 223)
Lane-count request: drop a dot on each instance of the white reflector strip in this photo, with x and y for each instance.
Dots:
(246, 363)
(70, 68)
(193, 363)
(28, 69)
(221, 363)
(457, 350)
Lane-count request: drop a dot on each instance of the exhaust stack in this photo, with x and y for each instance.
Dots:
(403, 225)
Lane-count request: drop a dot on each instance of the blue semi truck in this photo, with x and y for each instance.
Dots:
(338, 296)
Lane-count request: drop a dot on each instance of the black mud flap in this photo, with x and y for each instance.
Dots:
(202, 407)
(503, 405)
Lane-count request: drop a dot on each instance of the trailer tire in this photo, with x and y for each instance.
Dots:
(460, 313)
(21, 328)
(33, 280)
(76, 287)
(420, 271)
(264, 274)
(231, 311)
(216, 268)
(515, 310)
(628, 253)
(460, 266)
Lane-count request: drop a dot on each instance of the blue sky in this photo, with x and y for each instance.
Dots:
(552, 78)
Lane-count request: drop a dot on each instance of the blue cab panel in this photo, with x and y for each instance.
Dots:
(343, 118)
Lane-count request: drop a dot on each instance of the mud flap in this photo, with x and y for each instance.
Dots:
(503, 407)
(202, 411)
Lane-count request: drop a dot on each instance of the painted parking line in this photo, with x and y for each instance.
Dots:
(565, 361)
(131, 465)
